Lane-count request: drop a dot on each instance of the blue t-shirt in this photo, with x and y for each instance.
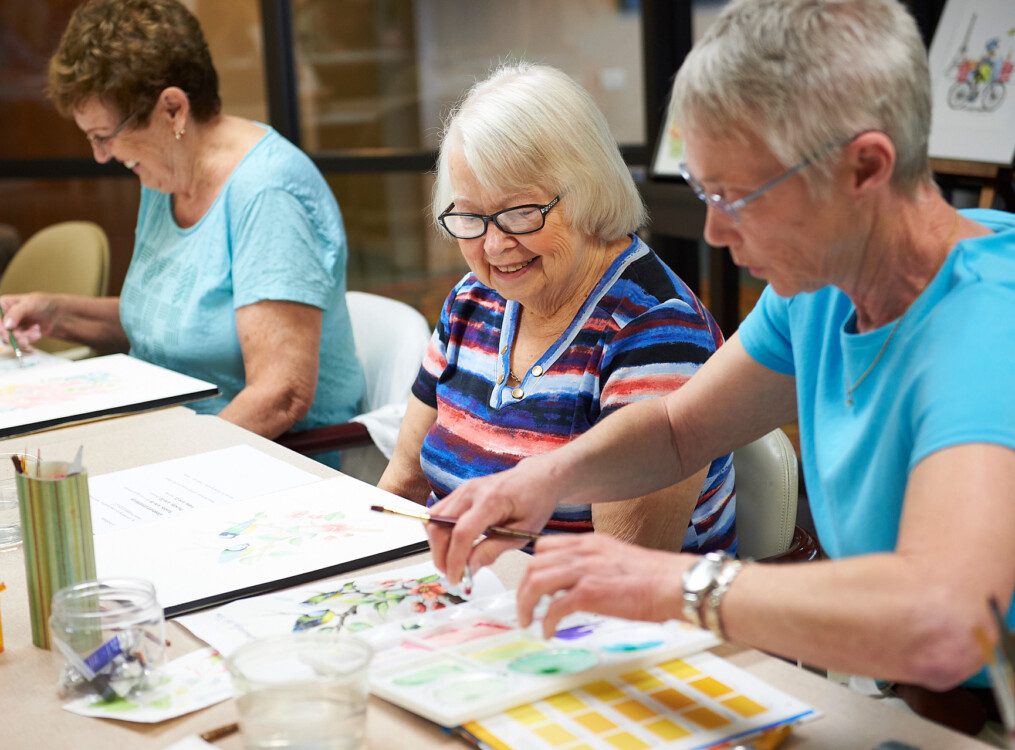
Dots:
(945, 379)
(273, 233)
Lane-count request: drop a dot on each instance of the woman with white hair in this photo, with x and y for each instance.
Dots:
(566, 316)
(887, 330)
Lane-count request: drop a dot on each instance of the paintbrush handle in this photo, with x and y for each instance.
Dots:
(498, 530)
(449, 521)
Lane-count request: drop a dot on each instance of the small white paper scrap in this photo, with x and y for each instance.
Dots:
(192, 682)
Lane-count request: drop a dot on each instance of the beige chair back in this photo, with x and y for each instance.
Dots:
(71, 257)
(767, 490)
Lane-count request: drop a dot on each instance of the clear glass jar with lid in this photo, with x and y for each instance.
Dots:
(111, 633)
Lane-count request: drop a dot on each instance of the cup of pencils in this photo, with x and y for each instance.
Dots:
(56, 528)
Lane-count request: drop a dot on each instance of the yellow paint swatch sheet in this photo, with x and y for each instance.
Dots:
(695, 702)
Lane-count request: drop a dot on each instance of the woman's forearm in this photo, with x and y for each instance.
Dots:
(93, 321)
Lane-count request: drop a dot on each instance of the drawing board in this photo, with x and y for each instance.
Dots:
(35, 398)
(297, 528)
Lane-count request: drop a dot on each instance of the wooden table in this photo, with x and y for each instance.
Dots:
(32, 717)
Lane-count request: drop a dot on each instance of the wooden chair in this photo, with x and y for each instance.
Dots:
(767, 491)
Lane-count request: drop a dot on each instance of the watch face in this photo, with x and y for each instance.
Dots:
(701, 575)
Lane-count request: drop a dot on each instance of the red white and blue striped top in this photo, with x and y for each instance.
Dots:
(640, 334)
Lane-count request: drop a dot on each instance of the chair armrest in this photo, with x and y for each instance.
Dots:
(329, 438)
(803, 548)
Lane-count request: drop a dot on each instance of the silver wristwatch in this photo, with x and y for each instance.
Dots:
(699, 580)
(712, 619)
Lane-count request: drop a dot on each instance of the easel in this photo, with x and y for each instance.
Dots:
(987, 175)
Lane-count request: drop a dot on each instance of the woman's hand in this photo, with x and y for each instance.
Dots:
(29, 316)
(522, 497)
(597, 573)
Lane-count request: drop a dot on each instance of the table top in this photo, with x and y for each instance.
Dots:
(31, 709)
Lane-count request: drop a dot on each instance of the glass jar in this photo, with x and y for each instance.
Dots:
(111, 633)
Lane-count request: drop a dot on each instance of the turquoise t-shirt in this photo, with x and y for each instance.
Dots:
(273, 233)
(944, 380)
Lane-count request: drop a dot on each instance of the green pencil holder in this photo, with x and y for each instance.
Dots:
(56, 528)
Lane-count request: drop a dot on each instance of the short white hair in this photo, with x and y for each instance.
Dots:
(806, 75)
(531, 126)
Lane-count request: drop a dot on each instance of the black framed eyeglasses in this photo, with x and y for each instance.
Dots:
(102, 141)
(524, 219)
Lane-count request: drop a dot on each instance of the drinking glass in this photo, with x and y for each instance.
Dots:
(302, 690)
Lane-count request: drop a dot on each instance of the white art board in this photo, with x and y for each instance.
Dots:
(971, 71)
(351, 605)
(36, 358)
(34, 398)
(199, 552)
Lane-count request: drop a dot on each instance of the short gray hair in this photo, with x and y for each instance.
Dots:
(531, 126)
(804, 75)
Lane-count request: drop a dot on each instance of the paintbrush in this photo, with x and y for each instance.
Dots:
(14, 343)
(1000, 659)
(426, 517)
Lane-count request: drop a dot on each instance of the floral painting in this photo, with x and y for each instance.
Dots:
(358, 605)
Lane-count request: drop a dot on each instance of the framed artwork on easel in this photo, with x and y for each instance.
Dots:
(971, 65)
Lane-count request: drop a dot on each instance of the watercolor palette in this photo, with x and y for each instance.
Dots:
(473, 661)
(696, 702)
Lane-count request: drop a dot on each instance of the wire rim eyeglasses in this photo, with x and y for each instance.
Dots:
(102, 141)
(524, 219)
(732, 208)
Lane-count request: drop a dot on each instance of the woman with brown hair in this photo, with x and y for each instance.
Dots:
(238, 272)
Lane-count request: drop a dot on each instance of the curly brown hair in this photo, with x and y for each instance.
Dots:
(126, 52)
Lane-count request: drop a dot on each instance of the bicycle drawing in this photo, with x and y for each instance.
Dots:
(980, 83)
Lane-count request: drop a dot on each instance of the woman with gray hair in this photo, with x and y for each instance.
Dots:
(566, 316)
(887, 330)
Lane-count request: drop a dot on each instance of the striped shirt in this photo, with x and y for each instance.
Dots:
(640, 334)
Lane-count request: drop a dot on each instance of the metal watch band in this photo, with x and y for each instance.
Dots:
(698, 581)
(713, 620)
(692, 609)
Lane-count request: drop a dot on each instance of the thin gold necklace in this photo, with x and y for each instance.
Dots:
(851, 389)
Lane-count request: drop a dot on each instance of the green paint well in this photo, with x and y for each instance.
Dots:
(431, 674)
(554, 662)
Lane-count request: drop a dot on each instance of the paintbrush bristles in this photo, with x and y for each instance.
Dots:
(420, 516)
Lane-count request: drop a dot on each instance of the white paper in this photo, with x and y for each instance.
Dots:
(196, 680)
(354, 604)
(156, 492)
(972, 80)
(31, 398)
(231, 547)
(36, 358)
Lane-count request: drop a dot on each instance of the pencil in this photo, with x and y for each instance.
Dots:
(219, 732)
(14, 343)
(449, 521)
